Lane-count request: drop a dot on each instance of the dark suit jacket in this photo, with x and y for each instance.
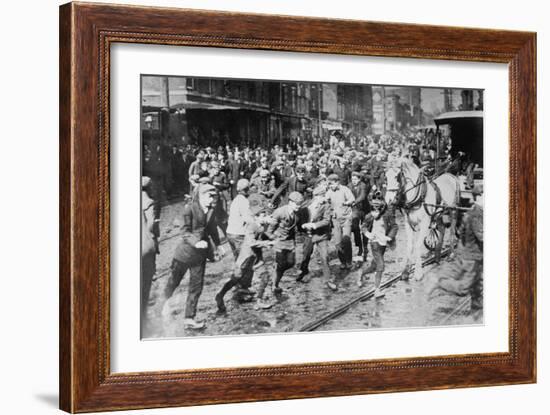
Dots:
(321, 217)
(277, 176)
(233, 170)
(197, 226)
(361, 206)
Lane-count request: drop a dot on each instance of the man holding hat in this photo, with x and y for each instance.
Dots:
(341, 199)
(317, 227)
(199, 230)
(282, 230)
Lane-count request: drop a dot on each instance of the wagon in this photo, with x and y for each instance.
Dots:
(465, 128)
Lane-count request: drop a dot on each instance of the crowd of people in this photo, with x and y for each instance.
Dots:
(260, 199)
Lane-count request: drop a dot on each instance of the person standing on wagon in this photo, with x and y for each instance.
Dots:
(199, 227)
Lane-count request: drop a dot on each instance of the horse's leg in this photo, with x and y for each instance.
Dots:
(408, 252)
(423, 228)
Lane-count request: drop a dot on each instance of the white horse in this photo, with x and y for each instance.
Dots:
(421, 199)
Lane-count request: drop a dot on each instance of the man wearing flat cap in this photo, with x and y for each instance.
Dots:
(199, 234)
(282, 230)
(318, 226)
(341, 200)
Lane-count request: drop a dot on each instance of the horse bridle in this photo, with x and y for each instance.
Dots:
(402, 190)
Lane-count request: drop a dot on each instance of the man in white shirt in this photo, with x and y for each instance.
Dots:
(239, 216)
(341, 200)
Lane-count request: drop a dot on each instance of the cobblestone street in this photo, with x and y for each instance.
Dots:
(405, 303)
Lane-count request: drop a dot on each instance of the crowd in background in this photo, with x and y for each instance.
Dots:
(172, 166)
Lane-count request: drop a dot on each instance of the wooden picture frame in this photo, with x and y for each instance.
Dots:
(86, 33)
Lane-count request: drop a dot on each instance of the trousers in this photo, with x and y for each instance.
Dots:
(235, 242)
(359, 239)
(322, 246)
(284, 260)
(342, 239)
(196, 283)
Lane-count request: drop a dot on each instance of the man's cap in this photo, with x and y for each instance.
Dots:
(356, 174)
(264, 173)
(205, 188)
(215, 165)
(334, 177)
(296, 197)
(242, 184)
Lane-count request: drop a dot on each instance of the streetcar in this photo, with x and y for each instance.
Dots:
(465, 129)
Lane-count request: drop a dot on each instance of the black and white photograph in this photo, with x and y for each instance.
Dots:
(287, 206)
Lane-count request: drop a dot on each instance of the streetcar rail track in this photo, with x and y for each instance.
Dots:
(315, 324)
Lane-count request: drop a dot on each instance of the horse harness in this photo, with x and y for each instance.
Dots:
(421, 187)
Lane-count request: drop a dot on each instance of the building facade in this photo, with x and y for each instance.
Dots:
(214, 112)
